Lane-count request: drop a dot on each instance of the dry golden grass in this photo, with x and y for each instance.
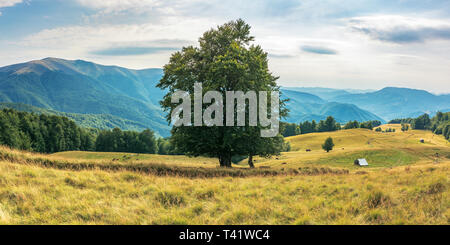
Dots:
(404, 195)
(380, 149)
(406, 184)
(136, 158)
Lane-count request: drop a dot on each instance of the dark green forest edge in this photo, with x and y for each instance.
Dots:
(439, 124)
(328, 125)
(50, 133)
(99, 121)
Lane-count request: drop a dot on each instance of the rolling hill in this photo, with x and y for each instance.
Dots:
(405, 183)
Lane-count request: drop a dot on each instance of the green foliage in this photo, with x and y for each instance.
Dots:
(117, 140)
(328, 125)
(446, 131)
(439, 124)
(307, 127)
(351, 124)
(328, 144)
(165, 147)
(400, 120)
(43, 133)
(224, 61)
(405, 127)
(289, 129)
(367, 125)
(97, 121)
(422, 122)
(50, 133)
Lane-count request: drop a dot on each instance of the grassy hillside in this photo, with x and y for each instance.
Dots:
(404, 184)
(380, 149)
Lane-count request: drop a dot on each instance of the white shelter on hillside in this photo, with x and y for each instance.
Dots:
(361, 162)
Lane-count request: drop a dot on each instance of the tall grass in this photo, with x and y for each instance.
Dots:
(154, 168)
(32, 194)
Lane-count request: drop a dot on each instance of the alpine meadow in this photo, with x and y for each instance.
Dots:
(229, 130)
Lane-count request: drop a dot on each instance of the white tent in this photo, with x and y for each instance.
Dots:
(362, 162)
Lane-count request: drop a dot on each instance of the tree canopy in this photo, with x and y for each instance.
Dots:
(42, 133)
(328, 144)
(225, 60)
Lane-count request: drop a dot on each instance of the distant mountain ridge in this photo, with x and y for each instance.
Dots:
(129, 99)
(86, 88)
(327, 93)
(393, 102)
(306, 107)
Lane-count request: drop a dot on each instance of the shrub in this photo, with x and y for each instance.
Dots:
(205, 194)
(74, 183)
(374, 216)
(168, 198)
(377, 198)
(437, 187)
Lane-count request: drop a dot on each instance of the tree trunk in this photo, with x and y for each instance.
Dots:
(225, 160)
(250, 161)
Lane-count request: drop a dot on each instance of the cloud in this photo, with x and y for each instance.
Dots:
(112, 36)
(137, 6)
(281, 56)
(9, 3)
(401, 29)
(319, 50)
(126, 51)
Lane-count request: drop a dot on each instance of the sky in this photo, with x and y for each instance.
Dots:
(360, 44)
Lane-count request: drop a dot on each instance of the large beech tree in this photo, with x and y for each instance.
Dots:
(225, 60)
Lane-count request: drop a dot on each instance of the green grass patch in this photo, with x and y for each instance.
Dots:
(375, 158)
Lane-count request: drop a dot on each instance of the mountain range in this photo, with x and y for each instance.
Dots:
(110, 96)
(306, 107)
(86, 88)
(392, 102)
